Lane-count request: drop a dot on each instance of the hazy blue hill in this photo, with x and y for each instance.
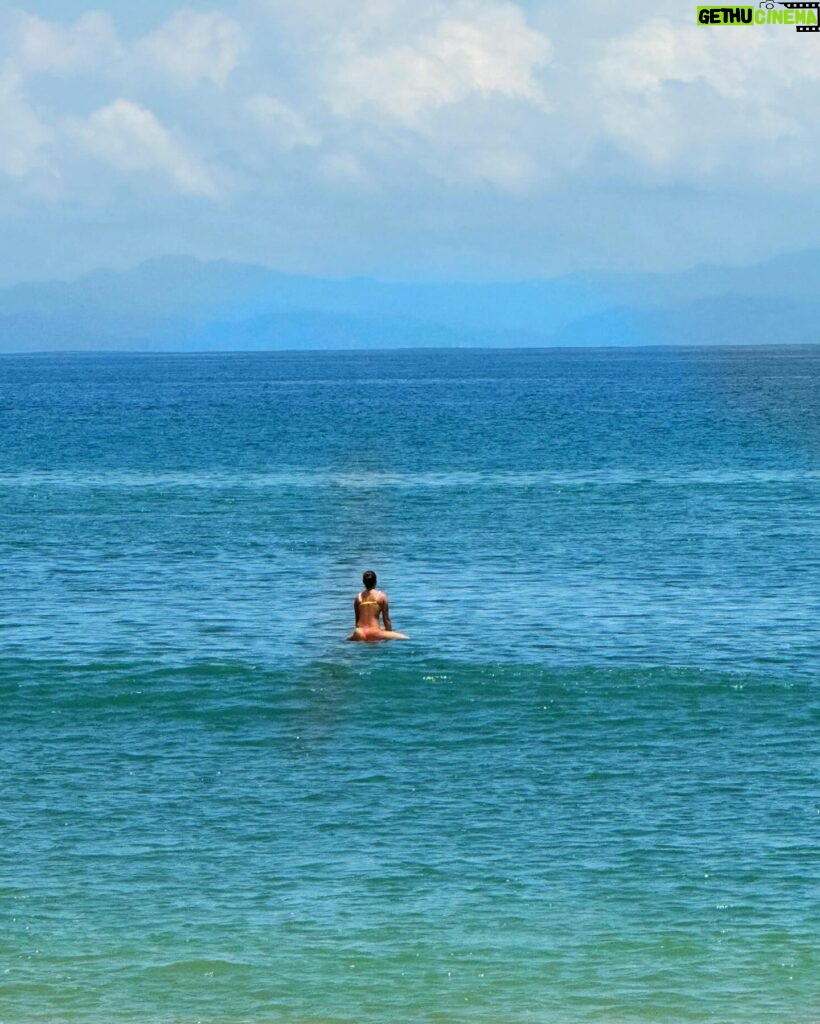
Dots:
(725, 320)
(791, 276)
(179, 303)
(619, 326)
(738, 319)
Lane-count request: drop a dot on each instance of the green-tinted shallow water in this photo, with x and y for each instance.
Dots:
(586, 790)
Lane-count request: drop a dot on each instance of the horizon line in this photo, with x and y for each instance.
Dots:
(655, 346)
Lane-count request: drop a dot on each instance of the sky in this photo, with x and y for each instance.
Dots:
(425, 140)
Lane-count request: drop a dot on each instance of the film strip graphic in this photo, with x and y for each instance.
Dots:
(815, 6)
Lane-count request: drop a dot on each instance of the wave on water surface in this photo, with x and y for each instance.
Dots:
(223, 480)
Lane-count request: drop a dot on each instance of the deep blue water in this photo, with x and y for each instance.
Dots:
(585, 790)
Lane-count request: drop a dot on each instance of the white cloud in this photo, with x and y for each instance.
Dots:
(691, 103)
(398, 110)
(448, 92)
(130, 138)
(505, 169)
(193, 47)
(45, 46)
(23, 135)
(280, 122)
(339, 25)
(343, 169)
(492, 53)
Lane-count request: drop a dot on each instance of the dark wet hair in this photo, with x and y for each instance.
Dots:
(369, 579)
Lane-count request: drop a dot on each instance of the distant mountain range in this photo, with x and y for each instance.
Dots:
(183, 304)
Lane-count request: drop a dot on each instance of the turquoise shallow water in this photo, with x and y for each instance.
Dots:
(585, 790)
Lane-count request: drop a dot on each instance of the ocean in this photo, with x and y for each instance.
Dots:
(585, 790)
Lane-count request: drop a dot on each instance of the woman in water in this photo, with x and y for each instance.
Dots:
(368, 606)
